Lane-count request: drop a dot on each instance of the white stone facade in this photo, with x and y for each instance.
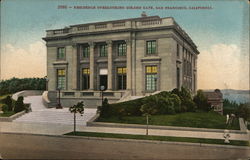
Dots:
(134, 44)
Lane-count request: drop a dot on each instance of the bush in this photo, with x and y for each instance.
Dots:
(8, 102)
(104, 109)
(5, 108)
(19, 105)
(201, 101)
(243, 111)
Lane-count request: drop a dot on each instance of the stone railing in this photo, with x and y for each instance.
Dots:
(111, 26)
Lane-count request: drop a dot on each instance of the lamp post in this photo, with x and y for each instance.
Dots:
(59, 106)
(102, 88)
(47, 81)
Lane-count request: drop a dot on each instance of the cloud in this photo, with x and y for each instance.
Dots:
(223, 66)
(23, 62)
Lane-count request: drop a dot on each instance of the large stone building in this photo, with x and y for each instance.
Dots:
(129, 57)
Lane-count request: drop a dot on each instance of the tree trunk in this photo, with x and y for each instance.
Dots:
(74, 123)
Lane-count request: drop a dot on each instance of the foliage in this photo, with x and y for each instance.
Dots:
(185, 96)
(15, 85)
(230, 104)
(78, 108)
(8, 102)
(201, 101)
(5, 108)
(19, 105)
(243, 111)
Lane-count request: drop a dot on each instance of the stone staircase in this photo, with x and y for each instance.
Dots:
(41, 114)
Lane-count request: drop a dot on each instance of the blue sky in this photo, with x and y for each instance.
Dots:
(24, 22)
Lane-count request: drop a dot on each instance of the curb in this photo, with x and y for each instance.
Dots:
(134, 140)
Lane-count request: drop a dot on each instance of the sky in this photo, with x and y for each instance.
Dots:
(221, 34)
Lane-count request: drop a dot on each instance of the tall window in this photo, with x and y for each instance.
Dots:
(61, 53)
(178, 78)
(85, 51)
(85, 78)
(103, 50)
(121, 78)
(151, 78)
(178, 51)
(61, 78)
(122, 49)
(151, 47)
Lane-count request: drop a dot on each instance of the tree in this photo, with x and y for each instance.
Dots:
(147, 110)
(201, 101)
(78, 108)
(19, 105)
(8, 102)
(244, 111)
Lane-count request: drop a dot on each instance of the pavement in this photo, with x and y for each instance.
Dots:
(51, 122)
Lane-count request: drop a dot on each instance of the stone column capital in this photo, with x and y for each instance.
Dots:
(128, 41)
(91, 44)
(109, 42)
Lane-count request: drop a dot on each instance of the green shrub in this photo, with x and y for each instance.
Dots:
(19, 105)
(201, 101)
(5, 108)
(8, 102)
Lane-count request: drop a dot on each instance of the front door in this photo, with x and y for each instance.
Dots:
(104, 81)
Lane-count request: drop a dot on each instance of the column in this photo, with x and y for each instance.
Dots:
(91, 65)
(129, 65)
(74, 67)
(110, 65)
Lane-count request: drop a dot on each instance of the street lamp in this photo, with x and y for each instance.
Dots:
(47, 82)
(59, 106)
(102, 88)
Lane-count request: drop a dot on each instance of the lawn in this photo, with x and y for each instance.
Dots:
(7, 114)
(159, 138)
(187, 119)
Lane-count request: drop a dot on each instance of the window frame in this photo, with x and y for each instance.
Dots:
(154, 78)
(58, 55)
(58, 76)
(123, 49)
(103, 52)
(121, 72)
(151, 47)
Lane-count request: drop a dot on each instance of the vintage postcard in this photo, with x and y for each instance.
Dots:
(145, 79)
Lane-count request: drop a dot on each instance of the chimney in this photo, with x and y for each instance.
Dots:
(143, 14)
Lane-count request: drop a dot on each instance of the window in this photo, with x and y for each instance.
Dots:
(85, 51)
(151, 78)
(178, 78)
(178, 52)
(103, 50)
(151, 47)
(121, 78)
(122, 49)
(85, 78)
(61, 53)
(61, 78)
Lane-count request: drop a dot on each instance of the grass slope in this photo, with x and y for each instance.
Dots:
(188, 119)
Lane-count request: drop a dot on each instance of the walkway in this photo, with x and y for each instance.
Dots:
(59, 129)
(41, 114)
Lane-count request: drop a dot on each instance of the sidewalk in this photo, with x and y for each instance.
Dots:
(59, 129)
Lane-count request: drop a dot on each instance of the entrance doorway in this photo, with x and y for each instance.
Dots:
(104, 81)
